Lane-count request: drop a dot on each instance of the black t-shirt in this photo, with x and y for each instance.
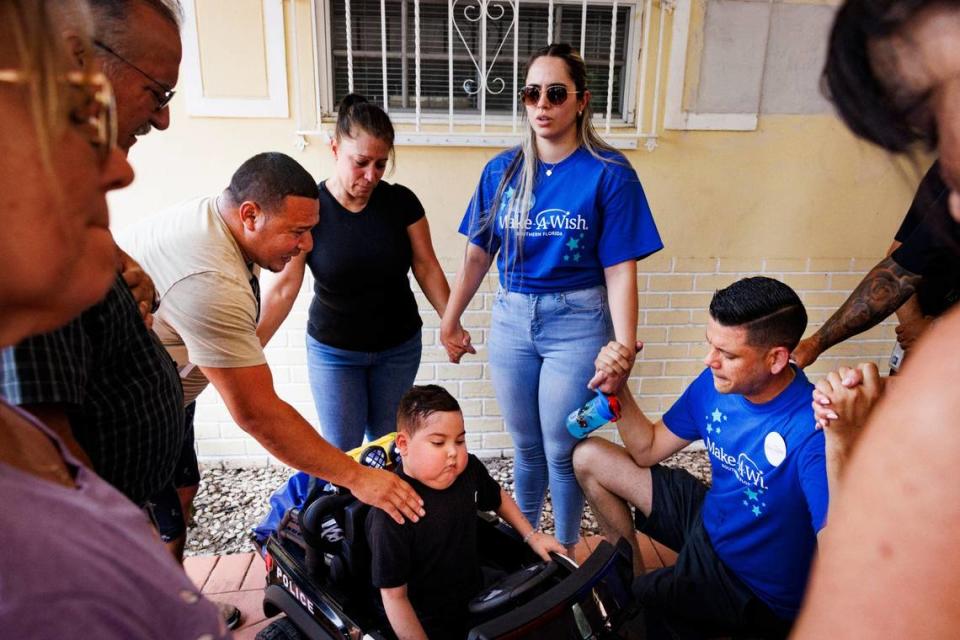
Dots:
(362, 299)
(436, 557)
(930, 247)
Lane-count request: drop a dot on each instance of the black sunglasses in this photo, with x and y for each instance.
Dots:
(556, 94)
(163, 97)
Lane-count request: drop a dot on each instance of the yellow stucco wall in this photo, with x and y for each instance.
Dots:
(800, 186)
(799, 199)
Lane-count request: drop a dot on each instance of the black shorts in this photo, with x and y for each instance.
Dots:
(164, 508)
(698, 596)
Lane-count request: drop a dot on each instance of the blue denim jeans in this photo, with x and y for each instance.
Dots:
(541, 352)
(357, 392)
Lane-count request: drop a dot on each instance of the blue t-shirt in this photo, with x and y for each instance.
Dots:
(769, 496)
(587, 215)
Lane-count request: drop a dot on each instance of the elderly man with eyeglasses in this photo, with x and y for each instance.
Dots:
(138, 47)
(104, 381)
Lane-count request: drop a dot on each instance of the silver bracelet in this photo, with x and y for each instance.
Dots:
(527, 537)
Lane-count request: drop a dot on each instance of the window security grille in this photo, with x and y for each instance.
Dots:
(470, 19)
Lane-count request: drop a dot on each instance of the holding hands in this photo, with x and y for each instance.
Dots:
(843, 400)
(456, 340)
(613, 364)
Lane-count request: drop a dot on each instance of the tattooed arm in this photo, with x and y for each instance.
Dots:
(880, 293)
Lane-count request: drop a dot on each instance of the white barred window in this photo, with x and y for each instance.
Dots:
(470, 30)
(448, 71)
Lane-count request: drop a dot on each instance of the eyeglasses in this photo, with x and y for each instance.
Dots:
(163, 98)
(556, 94)
(90, 106)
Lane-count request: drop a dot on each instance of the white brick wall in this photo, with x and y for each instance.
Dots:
(674, 294)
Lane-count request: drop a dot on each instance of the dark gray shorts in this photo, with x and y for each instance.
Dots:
(698, 596)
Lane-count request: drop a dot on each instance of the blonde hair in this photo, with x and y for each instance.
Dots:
(37, 33)
(524, 161)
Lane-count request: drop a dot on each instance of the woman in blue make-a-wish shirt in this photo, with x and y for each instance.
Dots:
(566, 217)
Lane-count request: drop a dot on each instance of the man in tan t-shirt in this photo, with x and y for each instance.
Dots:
(204, 256)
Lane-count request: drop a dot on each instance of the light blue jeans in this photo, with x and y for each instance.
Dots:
(357, 392)
(541, 352)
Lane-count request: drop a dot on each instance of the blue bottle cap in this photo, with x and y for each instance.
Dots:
(603, 406)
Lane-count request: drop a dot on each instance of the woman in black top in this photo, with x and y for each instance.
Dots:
(363, 333)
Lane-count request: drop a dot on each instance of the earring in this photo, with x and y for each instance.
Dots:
(579, 113)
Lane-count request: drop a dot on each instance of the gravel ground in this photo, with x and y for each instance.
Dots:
(232, 499)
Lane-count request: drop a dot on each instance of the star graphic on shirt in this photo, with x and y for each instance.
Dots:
(566, 258)
(756, 511)
(709, 429)
(573, 244)
(751, 493)
(717, 429)
(716, 415)
(576, 257)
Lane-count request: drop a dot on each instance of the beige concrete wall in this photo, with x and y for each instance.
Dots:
(799, 199)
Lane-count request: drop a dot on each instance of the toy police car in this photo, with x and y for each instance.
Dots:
(318, 574)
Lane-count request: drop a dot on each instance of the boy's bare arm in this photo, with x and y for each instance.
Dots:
(401, 615)
(541, 543)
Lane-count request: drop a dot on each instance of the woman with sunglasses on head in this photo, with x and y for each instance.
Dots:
(566, 218)
(79, 558)
(888, 565)
(363, 332)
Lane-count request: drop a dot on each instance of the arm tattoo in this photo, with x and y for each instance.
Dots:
(880, 293)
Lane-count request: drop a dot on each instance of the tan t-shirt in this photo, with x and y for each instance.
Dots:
(208, 311)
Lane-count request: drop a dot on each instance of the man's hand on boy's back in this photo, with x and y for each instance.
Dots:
(543, 543)
(387, 491)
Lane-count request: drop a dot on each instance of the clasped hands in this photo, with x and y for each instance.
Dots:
(843, 400)
(613, 365)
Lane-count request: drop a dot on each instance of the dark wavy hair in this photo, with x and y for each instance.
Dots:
(768, 309)
(850, 82)
(419, 403)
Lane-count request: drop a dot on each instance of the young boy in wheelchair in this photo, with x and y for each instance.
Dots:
(428, 571)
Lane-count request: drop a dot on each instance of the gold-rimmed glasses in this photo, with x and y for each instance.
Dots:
(90, 106)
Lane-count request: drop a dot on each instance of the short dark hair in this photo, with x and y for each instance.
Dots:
(849, 80)
(419, 403)
(769, 310)
(268, 178)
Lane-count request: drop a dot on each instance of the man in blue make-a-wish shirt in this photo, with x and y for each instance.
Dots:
(745, 544)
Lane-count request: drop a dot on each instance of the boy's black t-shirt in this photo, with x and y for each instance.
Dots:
(362, 299)
(437, 557)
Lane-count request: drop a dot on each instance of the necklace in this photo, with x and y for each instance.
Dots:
(550, 167)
